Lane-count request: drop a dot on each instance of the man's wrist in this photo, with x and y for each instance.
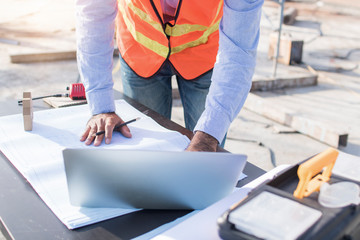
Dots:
(203, 142)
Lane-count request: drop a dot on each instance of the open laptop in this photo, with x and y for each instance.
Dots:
(150, 179)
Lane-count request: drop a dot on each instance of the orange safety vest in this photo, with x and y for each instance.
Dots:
(190, 42)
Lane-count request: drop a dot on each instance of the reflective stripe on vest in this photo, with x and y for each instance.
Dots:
(138, 36)
(144, 43)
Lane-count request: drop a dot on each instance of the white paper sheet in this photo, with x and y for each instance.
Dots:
(37, 154)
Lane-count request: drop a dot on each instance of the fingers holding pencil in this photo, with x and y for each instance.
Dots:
(106, 123)
(117, 127)
(109, 129)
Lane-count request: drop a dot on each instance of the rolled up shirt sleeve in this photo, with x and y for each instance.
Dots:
(95, 27)
(235, 64)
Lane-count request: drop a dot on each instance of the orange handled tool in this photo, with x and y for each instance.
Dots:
(306, 172)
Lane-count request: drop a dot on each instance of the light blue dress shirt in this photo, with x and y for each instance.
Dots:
(233, 70)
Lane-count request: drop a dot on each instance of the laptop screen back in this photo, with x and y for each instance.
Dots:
(150, 179)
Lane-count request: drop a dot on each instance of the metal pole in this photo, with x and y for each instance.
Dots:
(279, 37)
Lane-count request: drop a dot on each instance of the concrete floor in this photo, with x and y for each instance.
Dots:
(331, 42)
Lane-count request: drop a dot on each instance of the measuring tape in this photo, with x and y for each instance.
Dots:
(76, 92)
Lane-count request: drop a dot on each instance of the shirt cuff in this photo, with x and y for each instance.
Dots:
(213, 123)
(101, 101)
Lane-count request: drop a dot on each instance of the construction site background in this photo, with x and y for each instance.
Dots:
(323, 90)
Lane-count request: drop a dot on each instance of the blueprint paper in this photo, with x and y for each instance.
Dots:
(37, 154)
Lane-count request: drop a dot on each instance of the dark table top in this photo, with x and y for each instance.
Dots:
(25, 216)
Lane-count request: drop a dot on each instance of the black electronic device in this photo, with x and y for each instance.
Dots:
(332, 223)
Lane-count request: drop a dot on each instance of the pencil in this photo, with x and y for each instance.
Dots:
(117, 127)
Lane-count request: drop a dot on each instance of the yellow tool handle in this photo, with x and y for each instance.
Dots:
(306, 171)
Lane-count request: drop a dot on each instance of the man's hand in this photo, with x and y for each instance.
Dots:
(202, 142)
(103, 122)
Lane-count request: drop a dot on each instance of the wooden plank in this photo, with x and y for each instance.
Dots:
(26, 94)
(47, 56)
(43, 57)
(267, 84)
(315, 129)
(27, 111)
(59, 102)
(290, 50)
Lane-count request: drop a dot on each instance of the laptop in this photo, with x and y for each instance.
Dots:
(150, 179)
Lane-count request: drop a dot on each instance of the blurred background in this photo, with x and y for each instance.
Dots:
(300, 105)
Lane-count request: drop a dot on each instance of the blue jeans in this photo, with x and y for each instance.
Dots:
(156, 92)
